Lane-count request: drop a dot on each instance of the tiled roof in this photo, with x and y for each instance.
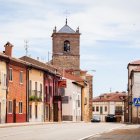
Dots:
(73, 77)
(39, 64)
(136, 69)
(13, 59)
(3, 55)
(66, 29)
(135, 62)
(108, 97)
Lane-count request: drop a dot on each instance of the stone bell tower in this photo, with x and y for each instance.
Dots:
(66, 48)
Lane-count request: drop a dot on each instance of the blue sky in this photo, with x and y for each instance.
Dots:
(110, 34)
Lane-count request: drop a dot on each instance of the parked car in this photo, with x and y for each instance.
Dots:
(96, 119)
(110, 118)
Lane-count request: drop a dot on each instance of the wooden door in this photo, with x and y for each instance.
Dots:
(47, 112)
(56, 112)
(14, 110)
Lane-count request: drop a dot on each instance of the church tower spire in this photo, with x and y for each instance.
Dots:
(66, 21)
(66, 48)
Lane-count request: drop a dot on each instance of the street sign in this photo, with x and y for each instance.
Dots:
(136, 101)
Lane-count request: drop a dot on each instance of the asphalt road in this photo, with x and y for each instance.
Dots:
(59, 131)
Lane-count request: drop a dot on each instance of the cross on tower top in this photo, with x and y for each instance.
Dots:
(66, 13)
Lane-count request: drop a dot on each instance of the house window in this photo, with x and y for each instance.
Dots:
(9, 106)
(105, 108)
(10, 74)
(66, 46)
(40, 90)
(4, 80)
(47, 96)
(118, 110)
(97, 108)
(101, 110)
(50, 91)
(30, 87)
(30, 111)
(21, 77)
(20, 107)
(36, 114)
(93, 108)
(78, 101)
(85, 101)
(35, 88)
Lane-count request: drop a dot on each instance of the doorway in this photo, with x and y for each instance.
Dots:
(56, 112)
(14, 110)
(47, 110)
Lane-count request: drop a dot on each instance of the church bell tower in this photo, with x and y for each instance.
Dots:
(66, 48)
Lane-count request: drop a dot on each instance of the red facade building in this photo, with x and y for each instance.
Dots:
(16, 87)
(53, 101)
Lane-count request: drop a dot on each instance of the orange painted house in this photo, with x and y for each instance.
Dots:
(16, 88)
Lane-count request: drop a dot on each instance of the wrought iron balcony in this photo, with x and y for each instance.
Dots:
(35, 95)
(118, 112)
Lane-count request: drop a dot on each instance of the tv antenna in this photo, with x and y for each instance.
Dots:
(26, 46)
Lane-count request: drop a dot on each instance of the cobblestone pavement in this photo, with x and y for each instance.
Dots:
(120, 134)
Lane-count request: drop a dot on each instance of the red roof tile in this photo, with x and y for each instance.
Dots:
(136, 69)
(108, 97)
(39, 64)
(135, 62)
(73, 77)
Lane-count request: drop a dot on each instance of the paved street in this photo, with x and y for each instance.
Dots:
(59, 131)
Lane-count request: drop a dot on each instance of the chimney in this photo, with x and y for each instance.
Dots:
(8, 49)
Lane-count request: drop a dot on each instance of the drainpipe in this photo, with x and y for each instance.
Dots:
(44, 95)
(7, 84)
(131, 119)
(82, 103)
(27, 94)
(129, 97)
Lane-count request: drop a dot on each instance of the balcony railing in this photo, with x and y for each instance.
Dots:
(118, 112)
(35, 95)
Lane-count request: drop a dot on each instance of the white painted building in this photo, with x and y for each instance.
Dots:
(133, 91)
(71, 101)
(2, 91)
(111, 103)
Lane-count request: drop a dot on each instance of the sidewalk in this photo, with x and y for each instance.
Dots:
(24, 124)
(33, 123)
(130, 133)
